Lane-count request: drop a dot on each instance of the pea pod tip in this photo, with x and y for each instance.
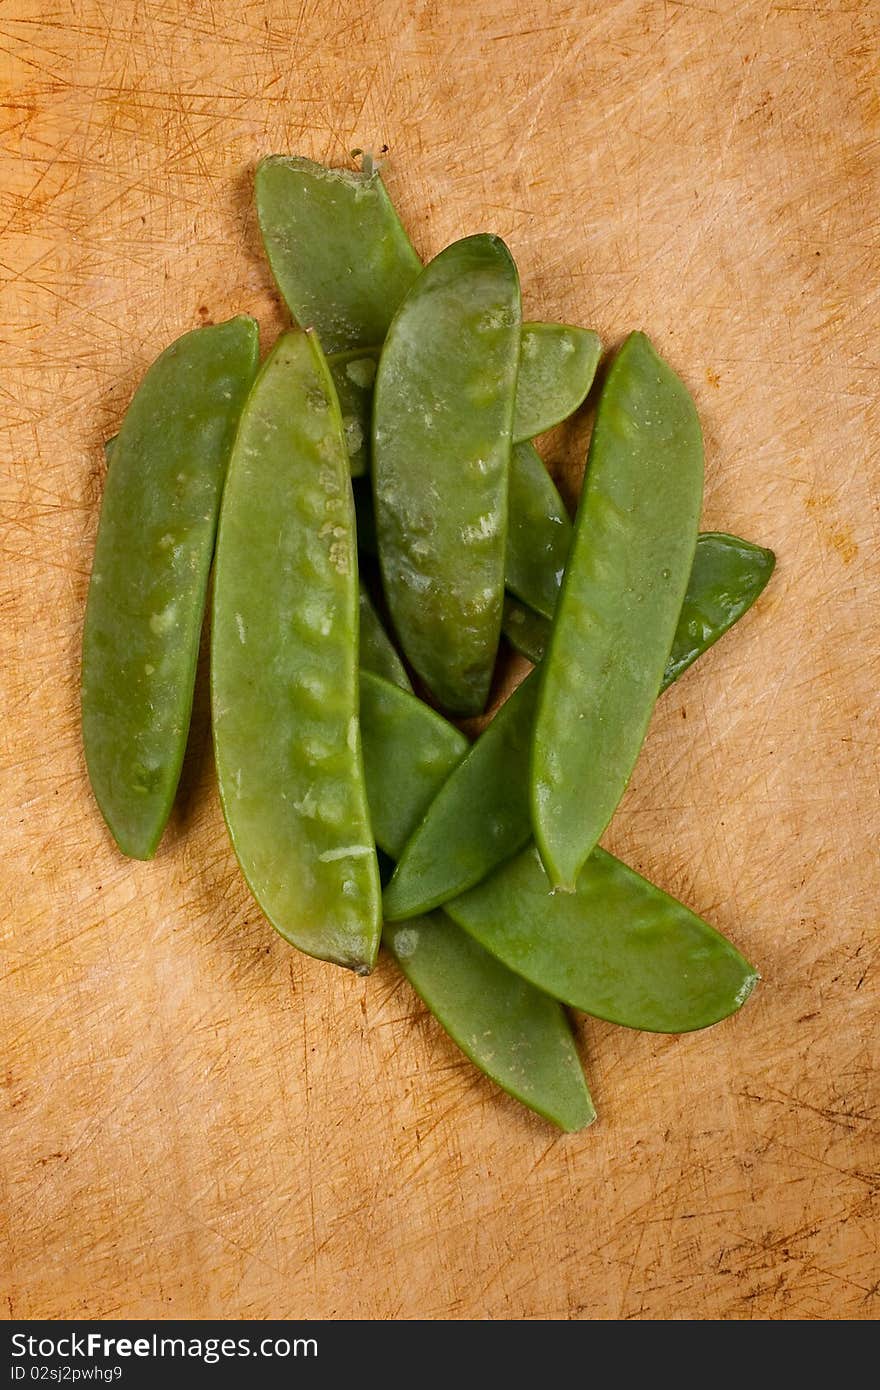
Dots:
(746, 988)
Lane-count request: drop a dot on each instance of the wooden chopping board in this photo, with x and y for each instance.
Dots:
(197, 1120)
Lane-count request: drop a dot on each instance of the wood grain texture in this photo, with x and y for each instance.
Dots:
(197, 1120)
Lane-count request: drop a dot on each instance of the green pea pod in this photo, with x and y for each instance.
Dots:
(617, 948)
(624, 586)
(526, 631)
(538, 532)
(728, 574)
(284, 650)
(409, 752)
(337, 248)
(377, 652)
(556, 370)
(353, 376)
(481, 815)
(441, 442)
(513, 1032)
(150, 575)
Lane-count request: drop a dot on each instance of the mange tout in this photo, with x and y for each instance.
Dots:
(727, 576)
(442, 418)
(284, 665)
(625, 581)
(434, 387)
(337, 248)
(150, 575)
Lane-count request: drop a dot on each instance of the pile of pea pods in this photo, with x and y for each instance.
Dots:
(379, 462)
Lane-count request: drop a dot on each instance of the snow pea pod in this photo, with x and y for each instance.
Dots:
(337, 248)
(409, 752)
(624, 586)
(377, 651)
(727, 575)
(510, 1030)
(556, 370)
(284, 649)
(442, 419)
(353, 376)
(617, 948)
(150, 575)
(538, 532)
(526, 631)
(481, 816)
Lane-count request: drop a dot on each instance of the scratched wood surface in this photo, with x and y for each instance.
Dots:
(197, 1120)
